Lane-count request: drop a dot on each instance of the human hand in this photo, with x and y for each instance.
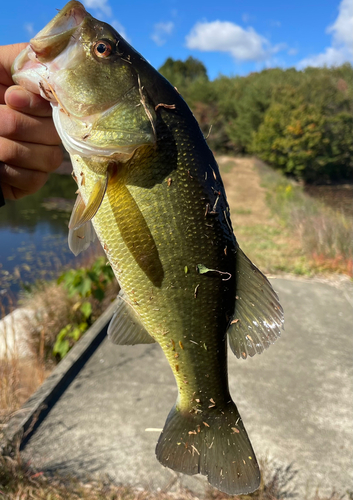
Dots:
(29, 143)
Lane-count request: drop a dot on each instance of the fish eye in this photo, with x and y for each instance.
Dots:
(102, 48)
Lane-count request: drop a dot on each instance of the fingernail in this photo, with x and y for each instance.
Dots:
(18, 98)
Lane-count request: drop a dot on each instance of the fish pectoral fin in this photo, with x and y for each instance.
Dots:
(126, 327)
(83, 213)
(213, 443)
(258, 316)
(80, 238)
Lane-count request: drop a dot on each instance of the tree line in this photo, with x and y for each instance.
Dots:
(300, 122)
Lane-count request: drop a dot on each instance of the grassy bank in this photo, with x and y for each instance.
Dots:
(325, 235)
(280, 227)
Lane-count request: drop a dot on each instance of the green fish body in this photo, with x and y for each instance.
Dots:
(151, 187)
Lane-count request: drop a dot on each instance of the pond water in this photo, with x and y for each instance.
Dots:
(33, 237)
(338, 197)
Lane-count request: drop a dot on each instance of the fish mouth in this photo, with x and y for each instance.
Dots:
(54, 38)
(31, 67)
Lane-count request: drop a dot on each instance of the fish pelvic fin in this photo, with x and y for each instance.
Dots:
(126, 327)
(258, 316)
(80, 239)
(82, 213)
(213, 443)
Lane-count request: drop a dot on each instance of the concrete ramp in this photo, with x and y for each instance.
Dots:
(295, 400)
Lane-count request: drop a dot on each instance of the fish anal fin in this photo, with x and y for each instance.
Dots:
(83, 213)
(213, 443)
(126, 327)
(258, 316)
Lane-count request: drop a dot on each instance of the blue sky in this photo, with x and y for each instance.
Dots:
(230, 37)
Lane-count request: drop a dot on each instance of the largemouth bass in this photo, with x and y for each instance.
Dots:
(152, 189)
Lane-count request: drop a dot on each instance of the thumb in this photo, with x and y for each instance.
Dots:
(22, 100)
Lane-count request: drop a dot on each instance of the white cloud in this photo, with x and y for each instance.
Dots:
(342, 28)
(224, 36)
(341, 49)
(99, 5)
(331, 57)
(29, 27)
(161, 31)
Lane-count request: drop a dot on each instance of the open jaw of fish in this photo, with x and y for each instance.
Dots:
(152, 189)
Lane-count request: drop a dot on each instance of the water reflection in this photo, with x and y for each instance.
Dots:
(29, 212)
(33, 236)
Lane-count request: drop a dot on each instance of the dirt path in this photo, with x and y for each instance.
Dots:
(271, 246)
(245, 195)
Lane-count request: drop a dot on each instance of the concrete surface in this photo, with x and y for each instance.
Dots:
(26, 420)
(295, 400)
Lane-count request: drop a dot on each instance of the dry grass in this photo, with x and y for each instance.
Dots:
(280, 227)
(27, 358)
(19, 481)
(19, 376)
(53, 308)
(325, 235)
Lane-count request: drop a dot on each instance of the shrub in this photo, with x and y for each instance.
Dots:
(299, 121)
(88, 286)
(304, 140)
(66, 308)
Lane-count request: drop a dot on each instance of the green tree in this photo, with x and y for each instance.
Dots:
(299, 121)
(189, 70)
(304, 139)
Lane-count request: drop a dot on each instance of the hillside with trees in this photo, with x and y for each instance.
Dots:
(300, 122)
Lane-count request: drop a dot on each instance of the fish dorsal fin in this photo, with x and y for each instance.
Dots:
(126, 327)
(83, 213)
(81, 238)
(258, 316)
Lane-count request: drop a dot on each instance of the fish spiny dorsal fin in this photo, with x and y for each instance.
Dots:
(83, 213)
(126, 327)
(81, 238)
(258, 316)
(213, 443)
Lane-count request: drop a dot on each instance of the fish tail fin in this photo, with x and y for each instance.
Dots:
(214, 443)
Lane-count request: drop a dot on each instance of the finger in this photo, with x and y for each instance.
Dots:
(22, 100)
(3, 89)
(30, 156)
(21, 127)
(17, 182)
(8, 54)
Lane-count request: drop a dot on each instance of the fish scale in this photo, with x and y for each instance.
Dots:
(198, 319)
(152, 189)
